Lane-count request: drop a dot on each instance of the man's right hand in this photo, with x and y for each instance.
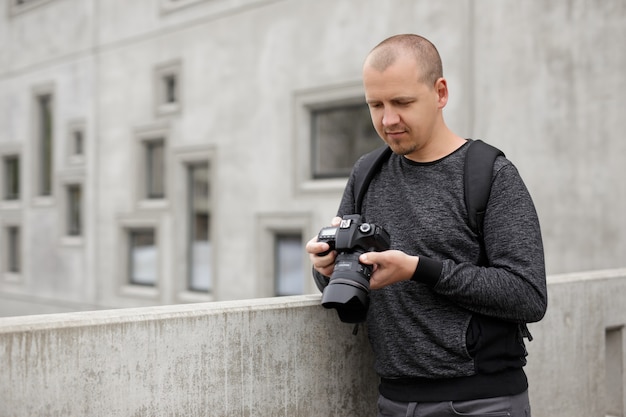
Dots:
(324, 264)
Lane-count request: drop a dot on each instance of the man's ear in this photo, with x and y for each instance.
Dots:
(441, 88)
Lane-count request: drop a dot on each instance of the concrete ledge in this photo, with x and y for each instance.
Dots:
(283, 357)
(568, 359)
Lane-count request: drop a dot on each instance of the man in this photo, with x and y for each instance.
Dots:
(445, 327)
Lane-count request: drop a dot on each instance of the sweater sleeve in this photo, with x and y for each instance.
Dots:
(513, 286)
(321, 281)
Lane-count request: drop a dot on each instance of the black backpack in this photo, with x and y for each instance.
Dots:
(478, 174)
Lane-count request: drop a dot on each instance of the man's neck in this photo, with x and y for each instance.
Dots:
(437, 148)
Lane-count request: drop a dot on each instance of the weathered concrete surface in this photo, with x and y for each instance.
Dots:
(267, 357)
(281, 357)
(567, 358)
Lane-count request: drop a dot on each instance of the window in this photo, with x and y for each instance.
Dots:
(71, 213)
(170, 93)
(282, 263)
(333, 129)
(44, 144)
(195, 271)
(13, 255)
(168, 88)
(11, 171)
(151, 155)
(289, 264)
(199, 242)
(142, 257)
(75, 143)
(11, 246)
(155, 168)
(74, 221)
(341, 134)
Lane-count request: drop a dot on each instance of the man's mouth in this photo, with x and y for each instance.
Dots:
(395, 132)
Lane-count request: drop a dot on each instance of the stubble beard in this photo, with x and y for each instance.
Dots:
(400, 148)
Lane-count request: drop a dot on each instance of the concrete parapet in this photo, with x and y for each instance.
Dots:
(282, 357)
(576, 363)
(267, 357)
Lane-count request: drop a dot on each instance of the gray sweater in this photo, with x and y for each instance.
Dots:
(440, 325)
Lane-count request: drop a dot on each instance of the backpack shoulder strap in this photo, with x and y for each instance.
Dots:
(368, 167)
(479, 162)
(478, 168)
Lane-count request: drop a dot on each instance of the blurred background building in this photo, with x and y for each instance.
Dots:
(172, 151)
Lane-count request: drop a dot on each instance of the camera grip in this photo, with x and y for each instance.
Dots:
(330, 249)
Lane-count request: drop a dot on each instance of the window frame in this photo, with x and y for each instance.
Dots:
(154, 155)
(6, 151)
(67, 178)
(268, 226)
(72, 156)
(133, 233)
(143, 136)
(347, 94)
(125, 223)
(43, 191)
(74, 226)
(277, 237)
(190, 200)
(182, 158)
(162, 106)
(316, 148)
(9, 220)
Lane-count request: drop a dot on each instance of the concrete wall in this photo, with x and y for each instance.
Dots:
(577, 362)
(267, 357)
(283, 357)
(544, 82)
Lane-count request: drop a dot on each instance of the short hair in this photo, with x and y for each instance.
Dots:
(385, 54)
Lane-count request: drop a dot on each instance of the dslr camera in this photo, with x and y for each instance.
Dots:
(349, 286)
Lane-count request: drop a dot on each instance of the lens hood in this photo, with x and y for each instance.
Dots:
(351, 301)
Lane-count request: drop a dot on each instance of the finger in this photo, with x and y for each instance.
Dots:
(336, 221)
(315, 247)
(324, 264)
(368, 258)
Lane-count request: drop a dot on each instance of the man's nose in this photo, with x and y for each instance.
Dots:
(390, 117)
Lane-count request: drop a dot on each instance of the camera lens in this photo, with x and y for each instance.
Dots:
(348, 289)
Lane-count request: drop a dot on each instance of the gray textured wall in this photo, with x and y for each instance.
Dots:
(543, 81)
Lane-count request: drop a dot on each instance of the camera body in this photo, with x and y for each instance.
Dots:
(348, 288)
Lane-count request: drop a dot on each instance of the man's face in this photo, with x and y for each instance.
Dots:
(405, 111)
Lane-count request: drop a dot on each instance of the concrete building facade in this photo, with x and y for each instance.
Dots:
(171, 151)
